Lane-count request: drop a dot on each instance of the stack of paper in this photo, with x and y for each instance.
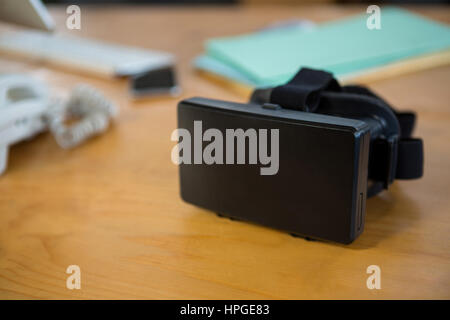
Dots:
(344, 47)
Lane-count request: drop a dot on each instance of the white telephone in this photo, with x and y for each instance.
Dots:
(27, 108)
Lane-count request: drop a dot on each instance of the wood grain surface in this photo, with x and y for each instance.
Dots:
(112, 205)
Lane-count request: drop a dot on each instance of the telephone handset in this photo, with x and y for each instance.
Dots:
(27, 108)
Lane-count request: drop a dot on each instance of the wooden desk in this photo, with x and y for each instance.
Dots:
(112, 206)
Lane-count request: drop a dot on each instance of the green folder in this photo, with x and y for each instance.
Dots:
(342, 47)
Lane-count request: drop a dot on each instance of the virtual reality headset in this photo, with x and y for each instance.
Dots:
(301, 157)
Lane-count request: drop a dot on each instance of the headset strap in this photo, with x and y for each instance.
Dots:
(303, 92)
(410, 150)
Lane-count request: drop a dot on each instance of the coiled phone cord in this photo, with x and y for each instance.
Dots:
(87, 105)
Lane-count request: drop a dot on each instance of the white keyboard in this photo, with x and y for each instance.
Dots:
(88, 55)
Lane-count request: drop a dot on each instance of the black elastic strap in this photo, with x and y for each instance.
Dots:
(302, 92)
(407, 121)
(409, 159)
(381, 164)
(409, 164)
